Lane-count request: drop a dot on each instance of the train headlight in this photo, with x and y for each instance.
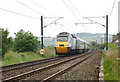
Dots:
(69, 45)
(66, 45)
(56, 44)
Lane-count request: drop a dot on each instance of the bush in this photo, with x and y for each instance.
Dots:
(25, 42)
(6, 42)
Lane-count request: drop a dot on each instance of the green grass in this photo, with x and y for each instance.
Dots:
(14, 57)
(49, 52)
(0, 63)
(112, 45)
(111, 63)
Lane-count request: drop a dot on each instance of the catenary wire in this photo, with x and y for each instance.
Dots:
(82, 15)
(30, 7)
(52, 22)
(38, 5)
(50, 12)
(112, 9)
(34, 11)
(18, 13)
(73, 12)
(70, 9)
(52, 27)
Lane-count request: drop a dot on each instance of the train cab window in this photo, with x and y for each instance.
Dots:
(62, 38)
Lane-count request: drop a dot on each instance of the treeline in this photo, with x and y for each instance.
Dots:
(23, 42)
(96, 46)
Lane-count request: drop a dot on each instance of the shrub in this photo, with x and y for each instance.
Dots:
(6, 42)
(25, 42)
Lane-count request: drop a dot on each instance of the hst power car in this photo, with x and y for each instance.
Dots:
(68, 44)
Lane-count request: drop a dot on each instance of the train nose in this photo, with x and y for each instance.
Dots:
(62, 47)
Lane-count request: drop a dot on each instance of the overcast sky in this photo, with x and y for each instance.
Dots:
(73, 11)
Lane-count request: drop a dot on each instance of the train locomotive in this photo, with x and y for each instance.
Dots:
(68, 44)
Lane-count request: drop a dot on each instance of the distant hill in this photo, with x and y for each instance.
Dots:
(99, 37)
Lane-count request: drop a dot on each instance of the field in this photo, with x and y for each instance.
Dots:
(111, 63)
(15, 57)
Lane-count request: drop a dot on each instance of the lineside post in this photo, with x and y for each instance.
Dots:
(106, 32)
(42, 33)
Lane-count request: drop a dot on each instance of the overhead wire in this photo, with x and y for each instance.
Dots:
(18, 13)
(95, 22)
(28, 16)
(38, 13)
(76, 10)
(57, 24)
(38, 5)
(86, 17)
(112, 9)
(52, 22)
(70, 10)
(52, 27)
(74, 7)
(73, 12)
(29, 7)
(49, 12)
(32, 9)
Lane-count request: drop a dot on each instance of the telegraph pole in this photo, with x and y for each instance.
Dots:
(106, 32)
(41, 32)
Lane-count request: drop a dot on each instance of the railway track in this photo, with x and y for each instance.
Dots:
(18, 68)
(53, 76)
(20, 65)
(55, 66)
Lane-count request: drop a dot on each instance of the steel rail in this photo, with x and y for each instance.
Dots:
(27, 74)
(26, 64)
(52, 77)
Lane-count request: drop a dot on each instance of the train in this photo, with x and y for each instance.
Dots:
(69, 44)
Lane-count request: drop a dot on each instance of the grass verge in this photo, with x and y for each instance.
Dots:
(111, 63)
(14, 57)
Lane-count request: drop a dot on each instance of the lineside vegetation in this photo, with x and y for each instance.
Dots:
(24, 47)
(15, 57)
(111, 63)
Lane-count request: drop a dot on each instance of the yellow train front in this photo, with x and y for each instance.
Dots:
(62, 44)
(68, 44)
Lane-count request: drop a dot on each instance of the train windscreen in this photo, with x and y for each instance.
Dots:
(62, 38)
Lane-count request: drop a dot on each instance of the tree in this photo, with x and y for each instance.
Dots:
(6, 42)
(25, 42)
(94, 45)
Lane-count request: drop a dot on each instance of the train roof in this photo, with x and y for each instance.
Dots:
(83, 40)
(66, 33)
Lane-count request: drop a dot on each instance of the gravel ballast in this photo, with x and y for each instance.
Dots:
(87, 70)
